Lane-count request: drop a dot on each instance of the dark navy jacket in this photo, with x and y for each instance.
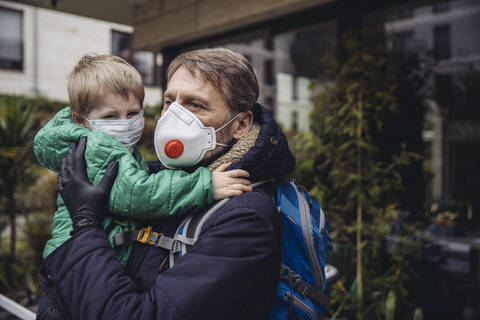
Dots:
(230, 273)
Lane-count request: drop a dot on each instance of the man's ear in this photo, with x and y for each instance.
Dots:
(242, 125)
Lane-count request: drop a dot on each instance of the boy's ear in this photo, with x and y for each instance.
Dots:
(78, 119)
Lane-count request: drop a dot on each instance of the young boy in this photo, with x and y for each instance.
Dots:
(106, 106)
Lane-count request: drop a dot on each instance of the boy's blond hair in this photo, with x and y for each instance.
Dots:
(95, 76)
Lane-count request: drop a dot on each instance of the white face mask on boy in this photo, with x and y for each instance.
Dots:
(181, 139)
(127, 132)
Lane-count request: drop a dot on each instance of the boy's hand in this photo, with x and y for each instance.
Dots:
(229, 183)
(86, 204)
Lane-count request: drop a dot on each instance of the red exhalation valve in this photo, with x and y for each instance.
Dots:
(173, 149)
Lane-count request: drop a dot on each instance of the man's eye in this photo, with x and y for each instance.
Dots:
(196, 106)
(109, 116)
(132, 114)
(167, 102)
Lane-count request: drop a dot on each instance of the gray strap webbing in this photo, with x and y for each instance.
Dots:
(199, 226)
(184, 239)
(171, 260)
(155, 239)
(306, 226)
(207, 215)
(126, 237)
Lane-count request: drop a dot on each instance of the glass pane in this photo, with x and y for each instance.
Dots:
(10, 38)
(298, 60)
(144, 63)
(262, 54)
(437, 47)
(121, 45)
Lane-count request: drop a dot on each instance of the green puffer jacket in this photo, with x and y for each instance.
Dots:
(134, 195)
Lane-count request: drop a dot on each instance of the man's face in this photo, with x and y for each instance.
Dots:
(202, 99)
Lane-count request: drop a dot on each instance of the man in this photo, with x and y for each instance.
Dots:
(231, 272)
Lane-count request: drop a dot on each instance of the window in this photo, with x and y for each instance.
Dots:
(121, 45)
(268, 72)
(294, 124)
(441, 7)
(269, 103)
(294, 88)
(405, 41)
(146, 62)
(11, 39)
(400, 14)
(268, 44)
(441, 39)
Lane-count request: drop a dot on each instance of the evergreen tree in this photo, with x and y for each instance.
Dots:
(353, 163)
(17, 127)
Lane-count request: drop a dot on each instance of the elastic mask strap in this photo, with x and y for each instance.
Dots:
(226, 124)
(85, 118)
(230, 121)
(221, 144)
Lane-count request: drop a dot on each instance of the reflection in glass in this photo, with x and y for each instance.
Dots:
(11, 40)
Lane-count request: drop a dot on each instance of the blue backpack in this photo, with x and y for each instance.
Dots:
(300, 291)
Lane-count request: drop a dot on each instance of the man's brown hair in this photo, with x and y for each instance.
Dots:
(95, 76)
(228, 71)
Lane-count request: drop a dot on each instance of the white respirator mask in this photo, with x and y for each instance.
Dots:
(127, 132)
(181, 139)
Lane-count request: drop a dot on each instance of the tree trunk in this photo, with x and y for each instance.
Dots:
(359, 261)
(359, 214)
(11, 209)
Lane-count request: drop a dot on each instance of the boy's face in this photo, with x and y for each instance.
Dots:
(114, 107)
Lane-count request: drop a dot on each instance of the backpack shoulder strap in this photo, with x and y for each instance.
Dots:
(190, 228)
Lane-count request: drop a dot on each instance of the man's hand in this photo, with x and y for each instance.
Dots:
(86, 204)
(229, 183)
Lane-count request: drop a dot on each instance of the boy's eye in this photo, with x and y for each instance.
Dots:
(132, 114)
(109, 116)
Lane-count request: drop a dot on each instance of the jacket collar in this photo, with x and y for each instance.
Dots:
(270, 156)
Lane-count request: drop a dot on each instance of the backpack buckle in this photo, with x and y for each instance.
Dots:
(143, 234)
(293, 280)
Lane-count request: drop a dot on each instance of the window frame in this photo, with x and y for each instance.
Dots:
(21, 67)
(130, 49)
(131, 58)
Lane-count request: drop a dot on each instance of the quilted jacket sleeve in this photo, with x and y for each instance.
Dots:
(135, 193)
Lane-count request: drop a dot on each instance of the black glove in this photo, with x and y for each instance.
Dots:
(86, 204)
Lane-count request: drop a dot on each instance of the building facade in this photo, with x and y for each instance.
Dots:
(39, 47)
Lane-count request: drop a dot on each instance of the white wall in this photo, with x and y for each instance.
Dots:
(62, 39)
